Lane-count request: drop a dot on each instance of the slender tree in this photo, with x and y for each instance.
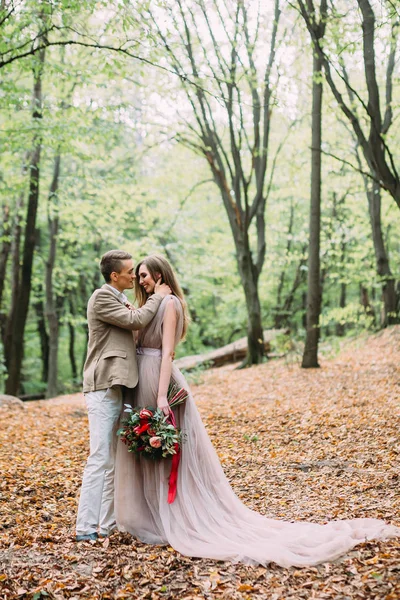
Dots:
(284, 303)
(7, 316)
(238, 160)
(314, 293)
(373, 187)
(338, 218)
(383, 270)
(4, 249)
(52, 315)
(370, 130)
(39, 307)
(15, 346)
(72, 338)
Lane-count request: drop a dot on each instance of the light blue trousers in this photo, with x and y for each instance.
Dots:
(96, 503)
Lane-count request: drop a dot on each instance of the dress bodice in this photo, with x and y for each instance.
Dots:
(151, 335)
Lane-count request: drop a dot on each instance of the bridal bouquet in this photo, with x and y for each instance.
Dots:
(148, 432)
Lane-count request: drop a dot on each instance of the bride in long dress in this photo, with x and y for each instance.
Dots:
(206, 519)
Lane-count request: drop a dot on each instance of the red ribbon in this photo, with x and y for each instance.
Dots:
(173, 476)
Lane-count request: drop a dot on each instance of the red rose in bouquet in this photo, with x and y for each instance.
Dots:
(145, 413)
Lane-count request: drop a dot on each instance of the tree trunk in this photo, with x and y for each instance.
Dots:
(304, 310)
(7, 321)
(282, 318)
(366, 304)
(22, 304)
(43, 336)
(51, 308)
(390, 316)
(5, 249)
(343, 292)
(373, 191)
(4, 255)
(84, 297)
(97, 277)
(249, 278)
(340, 327)
(310, 355)
(279, 317)
(71, 346)
(299, 278)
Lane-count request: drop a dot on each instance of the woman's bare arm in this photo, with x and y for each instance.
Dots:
(168, 348)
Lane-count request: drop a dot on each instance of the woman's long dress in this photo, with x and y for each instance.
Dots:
(207, 519)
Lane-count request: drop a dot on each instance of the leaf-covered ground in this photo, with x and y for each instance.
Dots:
(295, 444)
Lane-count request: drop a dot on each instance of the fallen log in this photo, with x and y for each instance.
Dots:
(29, 397)
(231, 353)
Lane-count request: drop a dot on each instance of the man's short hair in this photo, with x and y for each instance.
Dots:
(112, 261)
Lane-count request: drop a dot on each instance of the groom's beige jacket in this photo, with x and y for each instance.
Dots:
(111, 356)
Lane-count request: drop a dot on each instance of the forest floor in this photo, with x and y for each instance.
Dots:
(295, 444)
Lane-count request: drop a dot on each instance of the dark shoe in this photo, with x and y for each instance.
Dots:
(86, 537)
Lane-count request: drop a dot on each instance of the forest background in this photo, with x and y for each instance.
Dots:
(190, 128)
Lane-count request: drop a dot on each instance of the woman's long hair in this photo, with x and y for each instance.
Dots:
(158, 266)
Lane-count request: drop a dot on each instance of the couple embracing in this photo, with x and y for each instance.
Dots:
(130, 358)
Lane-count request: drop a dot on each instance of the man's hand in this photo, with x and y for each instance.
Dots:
(162, 288)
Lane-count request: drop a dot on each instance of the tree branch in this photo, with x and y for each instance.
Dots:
(349, 164)
(388, 117)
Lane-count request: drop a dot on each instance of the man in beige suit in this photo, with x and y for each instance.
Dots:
(110, 366)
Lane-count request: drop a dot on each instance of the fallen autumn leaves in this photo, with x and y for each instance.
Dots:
(295, 444)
